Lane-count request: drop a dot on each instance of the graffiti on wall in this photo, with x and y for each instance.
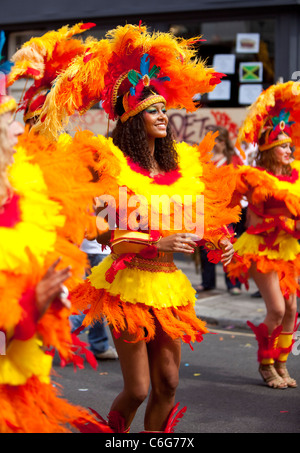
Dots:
(188, 127)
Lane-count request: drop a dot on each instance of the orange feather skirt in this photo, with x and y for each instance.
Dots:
(144, 291)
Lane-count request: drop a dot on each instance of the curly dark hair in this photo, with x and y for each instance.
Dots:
(267, 159)
(131, 138)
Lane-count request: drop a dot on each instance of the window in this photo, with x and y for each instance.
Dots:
(244, 50)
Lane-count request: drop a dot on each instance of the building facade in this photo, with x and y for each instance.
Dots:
(255, 43)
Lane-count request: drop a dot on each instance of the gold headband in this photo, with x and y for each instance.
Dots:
(140, 106)
(9, 105)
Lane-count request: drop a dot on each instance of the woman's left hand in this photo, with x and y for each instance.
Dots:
(228, 249)
(51, 287)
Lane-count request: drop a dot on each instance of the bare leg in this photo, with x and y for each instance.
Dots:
(268, 285)
(288, 322)
(133, 358)
(285, 340)
(164, 358)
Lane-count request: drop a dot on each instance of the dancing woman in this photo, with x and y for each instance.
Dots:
(148, 302)
(270, 248)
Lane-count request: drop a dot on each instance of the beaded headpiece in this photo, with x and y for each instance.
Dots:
(120, 65)
(274, 127)
(138, 79)
(275, 111)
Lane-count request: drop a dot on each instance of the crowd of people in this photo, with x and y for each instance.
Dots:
(136, 289)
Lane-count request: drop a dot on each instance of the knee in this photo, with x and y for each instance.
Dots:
(138, 394)
(277, 314)
(167, 385)
(291, 306)
(171, 385)
(291, 303)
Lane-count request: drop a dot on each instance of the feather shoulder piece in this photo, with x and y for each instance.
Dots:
(68, 179)
(264, 184)
(170, 202)
(36, 217)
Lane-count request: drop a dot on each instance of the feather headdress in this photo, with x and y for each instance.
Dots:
(127, 59)
(276, 110)
(42, 59)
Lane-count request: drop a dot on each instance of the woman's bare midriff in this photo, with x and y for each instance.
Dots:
(164, 257)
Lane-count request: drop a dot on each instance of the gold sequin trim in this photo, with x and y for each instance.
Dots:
(143, 264)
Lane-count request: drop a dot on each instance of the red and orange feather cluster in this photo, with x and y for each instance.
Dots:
(43, 58)
(92, 77)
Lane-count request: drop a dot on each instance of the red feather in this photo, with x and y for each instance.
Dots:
(266, 342)
(174, 418)
(11, 213)
(118, 264)
(100, 426)
(87, 25)
(116, 422)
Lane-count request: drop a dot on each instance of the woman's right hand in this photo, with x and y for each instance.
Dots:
(51, 287)
(178, 243)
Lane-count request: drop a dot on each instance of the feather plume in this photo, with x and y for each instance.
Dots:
(37, 52)
(98, 74)
(43, 58)
(266, 343)
(174, 418)
(269, 104)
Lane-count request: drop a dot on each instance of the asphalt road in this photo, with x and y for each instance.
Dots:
(219, 384)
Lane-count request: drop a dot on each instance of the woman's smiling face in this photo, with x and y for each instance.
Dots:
(156, 120)
(283, 152)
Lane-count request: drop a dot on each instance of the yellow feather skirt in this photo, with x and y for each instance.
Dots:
(142, 292)
(30, 403)
(15, 366)
(283, 257)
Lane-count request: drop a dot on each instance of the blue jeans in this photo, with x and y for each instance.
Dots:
(97, 336)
